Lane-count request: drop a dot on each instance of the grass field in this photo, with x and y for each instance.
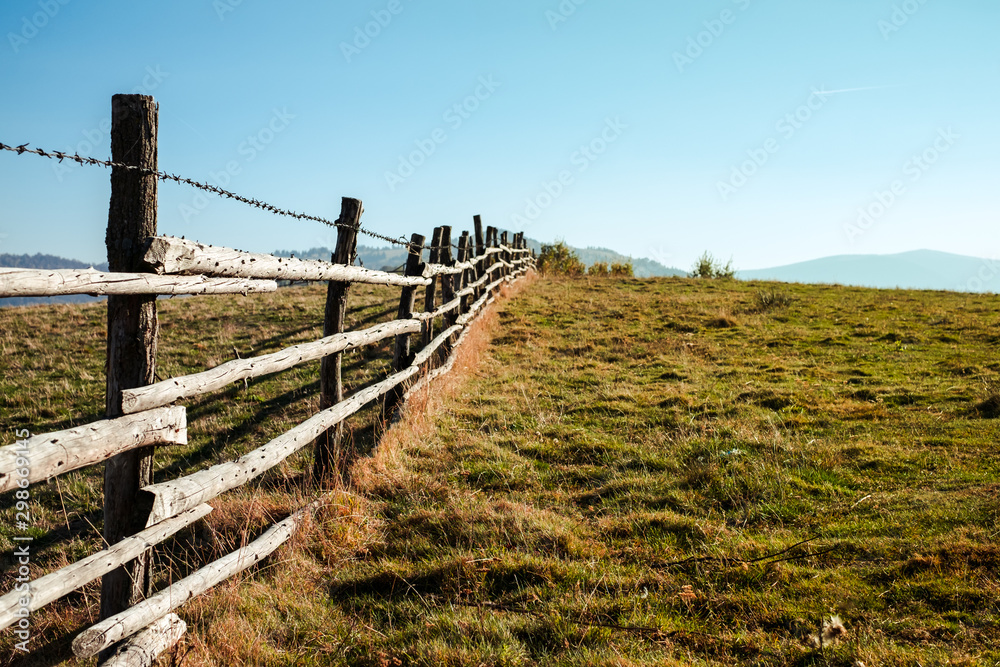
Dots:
(628, 472)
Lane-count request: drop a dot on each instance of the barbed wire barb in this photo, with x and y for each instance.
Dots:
(163, 176)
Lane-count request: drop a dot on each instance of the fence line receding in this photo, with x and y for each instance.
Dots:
(141, 413)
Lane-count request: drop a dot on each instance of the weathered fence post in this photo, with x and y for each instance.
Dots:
(462, 278)
(430, 290)
(447, 284)
(477, 222)
(505, 255)
(132, 335)
(447, 290)
(401, 357)
(491, 242)
(331, 386)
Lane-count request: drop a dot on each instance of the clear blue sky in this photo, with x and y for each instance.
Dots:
(702, 121)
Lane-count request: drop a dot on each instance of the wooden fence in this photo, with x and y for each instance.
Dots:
(142, 414)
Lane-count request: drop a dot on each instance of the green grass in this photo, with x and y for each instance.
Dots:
(617, 482)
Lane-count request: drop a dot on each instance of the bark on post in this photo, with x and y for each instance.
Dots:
(477, 222)
(462, 279)
(430, 290)
(447, 284)
(132, 335)
(447, 289)
(491, 242)
(505, 254)
(401, 355)
(331, 386)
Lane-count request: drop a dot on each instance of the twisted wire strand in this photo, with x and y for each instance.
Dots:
(256, 203)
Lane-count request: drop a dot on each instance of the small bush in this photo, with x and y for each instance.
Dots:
(707, 266)
(622, 270)
(598, 269)
(770, 299)
(558, 259)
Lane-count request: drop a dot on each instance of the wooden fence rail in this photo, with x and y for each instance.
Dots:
(141, 413)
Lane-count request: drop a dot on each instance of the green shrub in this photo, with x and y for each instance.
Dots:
(707, 266)
(598, 269)
(557, 259)
(622, 270)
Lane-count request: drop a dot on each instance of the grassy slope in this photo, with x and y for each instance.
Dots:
(611, 429)
(598, 445)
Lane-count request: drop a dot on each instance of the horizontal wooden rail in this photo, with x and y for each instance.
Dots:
(46, 282)
(169, 255)
(50, 454)
(479, 304)
(515, 250)
(197, 384)
(424, 355)
(111, 630)
(439, 311)
(473, 286)
(445, 368)
(432, 270)
(142, 649)
(171, 498)
(64, 581)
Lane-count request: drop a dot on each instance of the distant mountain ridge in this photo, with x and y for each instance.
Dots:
(391, 258)
(917, 269)
(40, 261)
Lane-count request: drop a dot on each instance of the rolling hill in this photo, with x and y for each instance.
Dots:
(392, 258)
(918, 269)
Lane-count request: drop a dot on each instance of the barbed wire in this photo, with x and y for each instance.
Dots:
(256, 203)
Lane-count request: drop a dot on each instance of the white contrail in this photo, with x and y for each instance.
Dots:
(851, 90)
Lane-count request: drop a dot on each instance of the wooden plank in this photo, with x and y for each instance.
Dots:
(57, 282)
(51, 454)
(331, 386)
(171, 498)
(142, 649)
(198, 384)
(125, 624)
(170, 255)
(64, 581)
